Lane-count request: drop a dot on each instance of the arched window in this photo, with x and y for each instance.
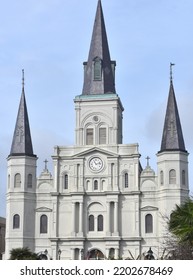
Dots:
(126, 180)
(100, 223)
(172, 176)
(148, 223)
(91, 223)
(29, 181)
(65, 181)
(103, 185)
(183, 177)
(97, 69)
(102, 135)
(43, 224)
(17, 181)
(16, 221)
(89, 136)
(161, 178)
(95, 185)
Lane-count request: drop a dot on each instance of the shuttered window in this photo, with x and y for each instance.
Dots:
(100, 223)
(97, 70)
(102, 135)
(91, 223)
(17, 181)
(89, 136)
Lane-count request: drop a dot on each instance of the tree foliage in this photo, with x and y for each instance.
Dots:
(179, 238)
(22, 254)
(181, 222)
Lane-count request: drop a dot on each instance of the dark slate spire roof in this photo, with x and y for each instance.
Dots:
(172, 138)
(99, 49)
(22, 144)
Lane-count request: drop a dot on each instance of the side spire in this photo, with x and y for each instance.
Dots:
(21, 143)
(172, 138)
(99, 71)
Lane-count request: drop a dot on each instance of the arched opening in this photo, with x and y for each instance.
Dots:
(95, 254)
(100, 223)
(43, 224)
(16, 221)
(172, 176)
(148, 223)
(17, 180)
(91, 223)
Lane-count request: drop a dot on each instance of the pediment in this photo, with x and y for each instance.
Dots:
(149, 208)
(43, 209)
(95, 150)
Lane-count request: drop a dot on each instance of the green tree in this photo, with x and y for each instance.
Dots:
(181, 222)
(23, 254)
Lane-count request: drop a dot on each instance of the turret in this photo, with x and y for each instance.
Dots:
(172, 157)
(21, 185)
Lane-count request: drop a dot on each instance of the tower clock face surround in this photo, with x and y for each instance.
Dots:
(96, 164)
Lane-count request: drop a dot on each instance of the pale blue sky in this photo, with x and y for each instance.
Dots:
(50, 39)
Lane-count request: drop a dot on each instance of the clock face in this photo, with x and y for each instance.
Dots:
(96, 164)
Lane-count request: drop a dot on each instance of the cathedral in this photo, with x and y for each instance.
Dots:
(99, 203)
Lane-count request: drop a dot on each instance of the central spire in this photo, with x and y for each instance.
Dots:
(99, 69)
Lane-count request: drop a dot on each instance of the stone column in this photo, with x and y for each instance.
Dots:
(107, 253)
(80, 218)
(81, 254)
(108, 222)
(73, 218)
(116, 229)
(72, 253)
(116, 253)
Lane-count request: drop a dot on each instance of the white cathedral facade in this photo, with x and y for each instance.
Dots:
(99, 202)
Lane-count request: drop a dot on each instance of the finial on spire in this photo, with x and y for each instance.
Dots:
(23, 79)
(171, 72)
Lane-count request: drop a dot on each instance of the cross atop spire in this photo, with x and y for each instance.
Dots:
(99, 69)
(147, 158)
(171, 72)
(23, 80)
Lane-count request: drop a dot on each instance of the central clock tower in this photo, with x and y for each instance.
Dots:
(98, 108)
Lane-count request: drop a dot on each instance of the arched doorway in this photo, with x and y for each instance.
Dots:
(95, 254)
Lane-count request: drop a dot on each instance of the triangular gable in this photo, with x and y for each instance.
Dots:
(43, 209)
(149, 208)
(95, 150)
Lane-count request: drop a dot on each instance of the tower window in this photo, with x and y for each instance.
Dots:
(100, 223)
(183, 177)
(161, 178)
(95, 185)
(89, 136)
(97, 69)
(17, 181)
(172, 176)
(43, 224)
(102, 135)
(9, 178)
(91, 223)
(66, 181)
(148, 223)
(29, 181)
(16, 221)
(126, 183)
